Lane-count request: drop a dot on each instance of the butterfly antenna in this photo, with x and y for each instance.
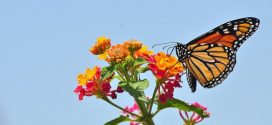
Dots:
(171, 50)
(163, 44)
(172, 45)
(168, 50)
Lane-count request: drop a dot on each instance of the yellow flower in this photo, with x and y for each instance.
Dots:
(117, 53)
(82, 80)
(88, 76)
(142, 52)
(133, 45)
(101, 45)
(103, 56)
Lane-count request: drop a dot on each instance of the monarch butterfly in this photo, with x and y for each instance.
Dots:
(210, 57)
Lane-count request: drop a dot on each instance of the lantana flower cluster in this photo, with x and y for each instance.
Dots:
(90, 83)
(128, 62)
(168, 72)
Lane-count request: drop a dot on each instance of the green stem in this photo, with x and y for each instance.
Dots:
(153, 97)
(146, 119)
(189, 123)
(125, 73)
(121, 75)
(127, 76)
(155, 113)
(134, 74)
(113, 104)
(141, 106)
(131, 73)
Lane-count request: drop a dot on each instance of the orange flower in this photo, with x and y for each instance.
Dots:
(168, 71)
(133, 45)
(164, 66)
(142, 52)
(164, 62)
(101, 45)
(117, 53)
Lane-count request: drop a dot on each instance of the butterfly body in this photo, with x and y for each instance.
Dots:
(211, 57)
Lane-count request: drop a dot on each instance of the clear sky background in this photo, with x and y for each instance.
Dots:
(44, 45)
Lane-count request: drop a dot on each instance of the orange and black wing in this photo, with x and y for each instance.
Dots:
(211, 57)
(231, 34)
(209, 64)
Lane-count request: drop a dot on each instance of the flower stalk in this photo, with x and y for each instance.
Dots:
(153, 97)
(122, 109)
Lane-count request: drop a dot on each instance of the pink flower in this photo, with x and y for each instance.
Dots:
(134, 123)
(168, 88)
(199, 106)
(134, 109)
(119, 90)
(91, 84)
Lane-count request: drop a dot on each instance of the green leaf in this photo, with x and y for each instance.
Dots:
(142, 69)
(199, 111)
(107, 72)
(132, 91)
(181, 105)
(137, 93)
(139, 61)
(141, 85)
(143, 98)
(118, 120)
(174, 103)
(118, 77)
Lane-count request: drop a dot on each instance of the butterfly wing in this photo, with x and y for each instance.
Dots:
(211, 56)
(231, 34)
(208, 63)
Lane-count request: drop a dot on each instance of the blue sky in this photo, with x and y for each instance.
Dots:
(44, 45)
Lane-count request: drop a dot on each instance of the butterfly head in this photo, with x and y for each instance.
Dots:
(181, 51)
